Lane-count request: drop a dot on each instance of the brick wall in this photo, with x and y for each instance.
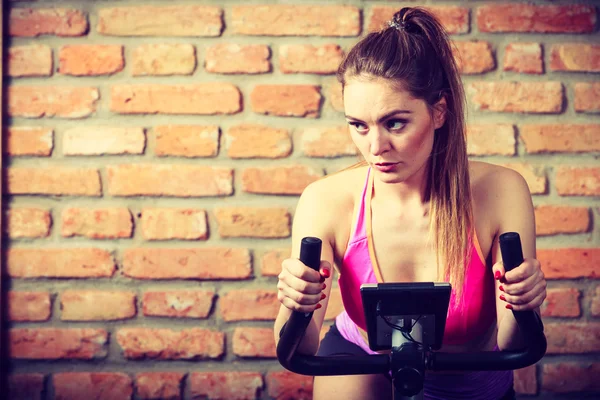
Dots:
(155, 152)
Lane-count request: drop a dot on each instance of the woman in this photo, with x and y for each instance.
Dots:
(415, 210)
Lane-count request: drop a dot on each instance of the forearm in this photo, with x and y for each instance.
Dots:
(509, 334)
(310, 342)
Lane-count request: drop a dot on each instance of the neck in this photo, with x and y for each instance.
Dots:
(412, 191)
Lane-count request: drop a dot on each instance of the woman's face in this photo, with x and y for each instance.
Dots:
(393, 130)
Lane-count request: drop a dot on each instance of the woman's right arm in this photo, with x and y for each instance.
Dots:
(300, 288)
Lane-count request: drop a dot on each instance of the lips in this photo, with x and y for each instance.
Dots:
(385, 164)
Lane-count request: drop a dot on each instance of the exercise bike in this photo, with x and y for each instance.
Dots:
(409, 319)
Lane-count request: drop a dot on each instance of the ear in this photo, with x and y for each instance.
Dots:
(439, 113)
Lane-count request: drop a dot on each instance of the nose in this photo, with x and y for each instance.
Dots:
(379, 142)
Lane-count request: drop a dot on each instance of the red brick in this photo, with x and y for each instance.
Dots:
(96, 305)
(272, 222)
(570, 377)
(158, 59)
(284, 385)
(51, 101)
(237, 385)
(176, 180)
(525, 380)
(257, 141)
(524, 57)
(178, 21)
(27, 223)
(100, 140)
(54, 343)
(233, 58)
(271, 261)
(28, 306)
(328, 142)
(570, 263)
(174, 223)
(31, 60)
(249, 305)
(534, 175)
(587, 97)
(536, 18)
(31, 22)
(25, 386)
(57, 181)
(29, 141)
(59, 263)
(572, 338)
(187, 140)
(178, 303)
(286, 100)
(92, 385)
(454, 19)
(323, 59)
(491, 139)
(291, 179)
(595, 304)
(254, 342)
(167, 344)
(562, 302)
(523, 97)
(196, 263)
(578, 181)
(159, 385)
(552, 220)
(473, 57)
(90, 60)
(195, 99)
(561, 138)
(97, 223)
(296, 20)
(335, 97)
(575, 57)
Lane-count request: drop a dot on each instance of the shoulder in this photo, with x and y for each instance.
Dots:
(490, 179)
(326, 206)
(500, 193)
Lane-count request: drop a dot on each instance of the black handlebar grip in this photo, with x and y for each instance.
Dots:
(310, 252)
(512, 252)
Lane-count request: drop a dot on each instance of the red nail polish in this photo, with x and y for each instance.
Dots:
(324, 286)
(318, 306)
(326, 273)
(323, 296)
(501, 288)
(509, 306)
(502, 298)
(497, 275)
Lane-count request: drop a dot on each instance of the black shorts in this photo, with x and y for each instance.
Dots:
(334, 344)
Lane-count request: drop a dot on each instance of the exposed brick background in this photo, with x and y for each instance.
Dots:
(154, 153)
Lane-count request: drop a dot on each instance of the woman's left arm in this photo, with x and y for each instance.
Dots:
(524, 287)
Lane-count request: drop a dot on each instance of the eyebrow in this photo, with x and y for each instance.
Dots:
(383, 117)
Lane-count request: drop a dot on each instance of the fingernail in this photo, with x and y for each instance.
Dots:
(501, 288)
(497, 275)
(322, 279)
(318, 306)
(324, 286)
(326, 273)
(323, 296)
(509, 306)
(502, 298)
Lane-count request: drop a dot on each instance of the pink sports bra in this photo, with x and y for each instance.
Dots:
(471, 319)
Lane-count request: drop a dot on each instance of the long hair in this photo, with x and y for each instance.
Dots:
(414, 53)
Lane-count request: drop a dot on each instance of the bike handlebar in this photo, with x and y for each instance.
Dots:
(529, 323)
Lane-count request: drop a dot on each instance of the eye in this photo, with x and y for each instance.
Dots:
(358, 127)
(395, 124)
